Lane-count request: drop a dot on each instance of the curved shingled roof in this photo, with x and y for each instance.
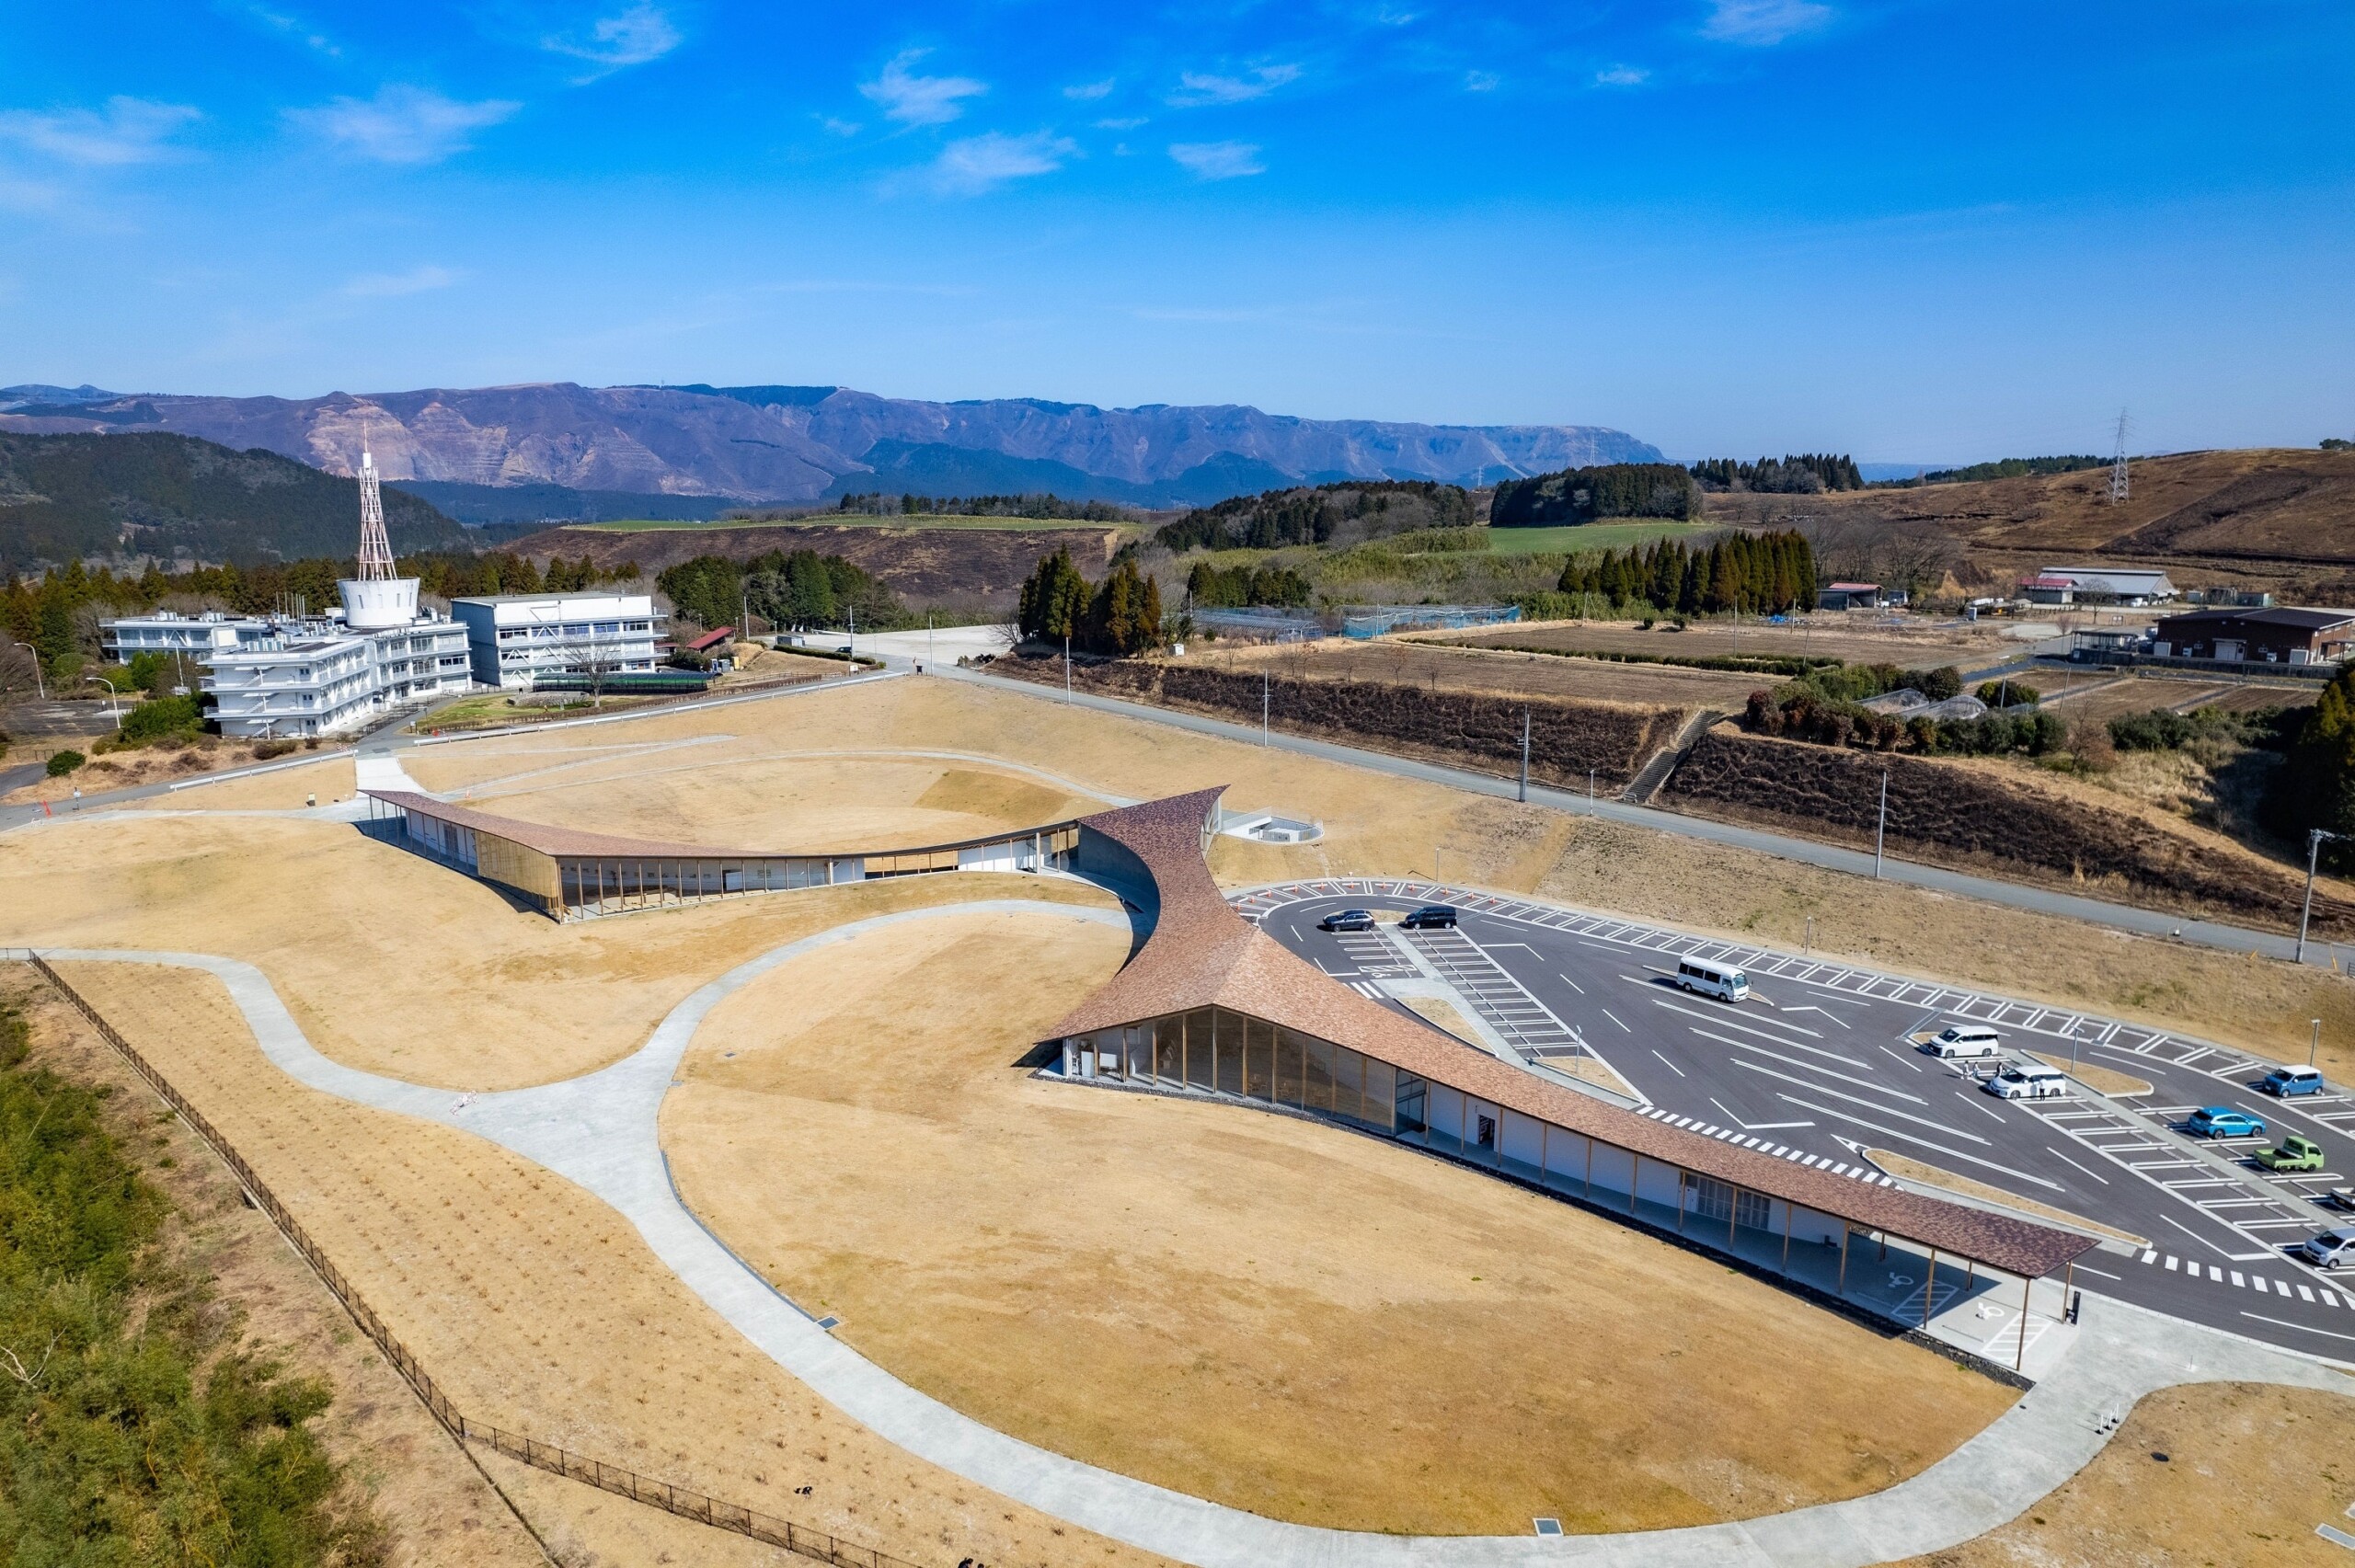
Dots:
(1201, 954)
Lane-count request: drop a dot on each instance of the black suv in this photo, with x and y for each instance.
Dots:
(1346, 919)
(1430, 917)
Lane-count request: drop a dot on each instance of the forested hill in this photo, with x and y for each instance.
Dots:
(69, 497)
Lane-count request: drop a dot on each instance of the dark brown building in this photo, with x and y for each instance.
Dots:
(2259, 637)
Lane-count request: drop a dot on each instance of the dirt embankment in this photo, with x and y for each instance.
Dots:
(922, 565)
(1566, 737)
(1962, 817)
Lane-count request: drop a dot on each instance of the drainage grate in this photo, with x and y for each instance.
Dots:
(1549, 1527)
(829, 1323)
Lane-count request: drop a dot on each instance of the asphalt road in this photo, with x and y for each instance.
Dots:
(1818, 1067)
(2014, 895)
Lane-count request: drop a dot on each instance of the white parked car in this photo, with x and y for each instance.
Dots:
(2332, 1249)
(2033, 1081)
(1960, 1042)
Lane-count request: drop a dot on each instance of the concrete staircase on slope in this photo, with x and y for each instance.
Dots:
(1654, 772)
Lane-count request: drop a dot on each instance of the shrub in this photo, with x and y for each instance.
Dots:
(160, 718)
(270, 749)
(2007, 692)
(2157, 730)
(1936, 684)
(65, 763)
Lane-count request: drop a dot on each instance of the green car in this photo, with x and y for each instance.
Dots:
(2295, 1153)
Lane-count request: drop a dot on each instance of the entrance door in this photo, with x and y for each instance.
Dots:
(2228, 652)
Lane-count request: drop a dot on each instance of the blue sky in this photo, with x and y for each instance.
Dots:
(1913, 230)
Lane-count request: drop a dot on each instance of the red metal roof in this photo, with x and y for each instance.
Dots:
(1201, 954)
(712, 639)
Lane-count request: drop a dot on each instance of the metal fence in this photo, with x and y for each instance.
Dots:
(682, 1501)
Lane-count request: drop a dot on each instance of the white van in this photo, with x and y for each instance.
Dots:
(2033, 1080)
(1709, 980)
(1959, 1042)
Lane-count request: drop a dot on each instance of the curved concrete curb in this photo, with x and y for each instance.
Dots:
(600, 1131)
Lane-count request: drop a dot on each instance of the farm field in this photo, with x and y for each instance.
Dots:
(2138, 695)
(1241, 1306)
(1824, 635)
(1589, 536)
(1441, 667)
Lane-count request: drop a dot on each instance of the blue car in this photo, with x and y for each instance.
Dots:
(2222, 1121)
(2284, 1082)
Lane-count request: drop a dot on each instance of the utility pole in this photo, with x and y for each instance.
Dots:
(2314, 836)
(1524, 754)
(1880, 829)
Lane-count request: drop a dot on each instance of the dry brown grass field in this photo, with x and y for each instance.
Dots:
(2196, 1478)
(1285, 1317)
(285, 790)
(546, 1312)
(538, 1309)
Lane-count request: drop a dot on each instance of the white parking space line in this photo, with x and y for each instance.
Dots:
(1614, 1018)
(2301, 1328)
(1811, 1067)
(1571, 983)
(1923, 1142)
(2074, 1165)
(1857, 1100)
(1665, 1062)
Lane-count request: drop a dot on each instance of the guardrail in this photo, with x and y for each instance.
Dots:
(688, 1503)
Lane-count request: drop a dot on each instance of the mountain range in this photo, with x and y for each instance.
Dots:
(803, 445)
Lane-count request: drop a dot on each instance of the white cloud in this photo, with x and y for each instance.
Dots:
(1623, 76)
(1198, 89)
(402, 124)
(392, 286)
(1092, 89)
(1218, 160)
(294, 27)
(129, 131)
(1129, 122)
(1481, 81)
(920, 101)
(631, 37)
(975, 164)
(1763, 22)
(842, 127)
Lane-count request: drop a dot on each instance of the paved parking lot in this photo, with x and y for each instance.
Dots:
(1817, 1067)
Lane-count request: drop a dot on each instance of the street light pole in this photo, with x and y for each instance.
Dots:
(1264, 690)
(1524, 755)
(2314, 836)
(38, 685)
(1880, 829)
(2314, 1043)
(1066, 668)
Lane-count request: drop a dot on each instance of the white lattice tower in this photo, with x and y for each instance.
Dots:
(2117, 463)
(375, 548)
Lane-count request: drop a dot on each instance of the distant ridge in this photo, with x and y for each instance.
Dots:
(785, 444)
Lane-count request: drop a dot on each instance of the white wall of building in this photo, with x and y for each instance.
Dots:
(516, 639)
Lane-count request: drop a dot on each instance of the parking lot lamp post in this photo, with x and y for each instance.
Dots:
(1524, 754)
(1066, 668)
(39, 686)
(2073, 1045)
(2313, 1044)
(2314, 836)
(1807, 941)
(1590, 792)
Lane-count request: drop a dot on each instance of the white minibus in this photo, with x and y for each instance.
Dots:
(1711, 979)
(1958, 1041)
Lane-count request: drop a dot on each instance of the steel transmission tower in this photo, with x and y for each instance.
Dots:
(375, 548)
(2117, 463)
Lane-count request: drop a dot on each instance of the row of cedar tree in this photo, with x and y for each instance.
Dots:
(1748, 573)
(1119, 616)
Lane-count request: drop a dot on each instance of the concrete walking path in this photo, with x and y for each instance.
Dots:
(601, 1131)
